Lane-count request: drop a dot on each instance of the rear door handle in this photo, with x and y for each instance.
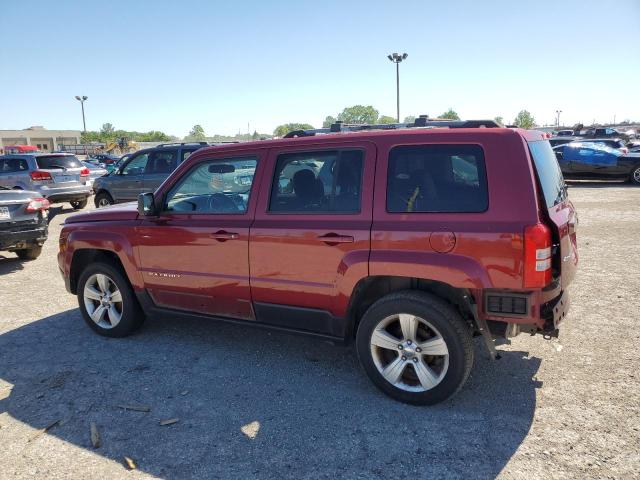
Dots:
(333, 238)
(222, 235)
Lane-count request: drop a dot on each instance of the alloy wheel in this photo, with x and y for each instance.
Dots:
(409, 352)
(103, 300)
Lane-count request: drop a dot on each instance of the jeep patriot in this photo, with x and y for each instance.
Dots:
(407, 239)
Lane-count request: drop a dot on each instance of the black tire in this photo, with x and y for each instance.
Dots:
(448, 323)
(79, 204)
(132, 316)
(29, 253)
(103, 199)
(635, 176)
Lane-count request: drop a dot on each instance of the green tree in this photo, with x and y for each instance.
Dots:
(107, 130)
(450, 114)
(359, 114)
(255, 135)
(328, 121)
(409, 119)
(196, 134)
(386, 119)
(282, 130)
(524, 120)
(499, 120)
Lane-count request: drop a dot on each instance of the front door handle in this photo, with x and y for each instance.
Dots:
(222, 235)
(334, 238)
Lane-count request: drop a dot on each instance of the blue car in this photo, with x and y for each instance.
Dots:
(586, 160)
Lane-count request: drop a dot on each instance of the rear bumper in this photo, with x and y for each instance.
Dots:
(540, 311)
(15, 240)
(66, 194)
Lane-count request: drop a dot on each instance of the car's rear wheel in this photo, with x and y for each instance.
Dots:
(103, 199)
(107, 301)
(79, 204)
(415, 347)
(635, 175)
(29, 253)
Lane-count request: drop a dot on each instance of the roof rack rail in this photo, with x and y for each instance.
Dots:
(181, 143)
(423, 121)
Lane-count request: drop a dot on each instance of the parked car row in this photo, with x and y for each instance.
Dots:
(597, 160)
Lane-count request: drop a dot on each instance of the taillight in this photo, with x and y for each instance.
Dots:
(37, 205)
(624, 150)
(537, 256)
(40, 176)
(84, 172)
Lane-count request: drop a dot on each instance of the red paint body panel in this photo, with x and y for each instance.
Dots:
(279, 259)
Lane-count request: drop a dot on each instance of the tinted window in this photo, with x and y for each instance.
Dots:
(548, 171)
(54, 161)
(220, 186)
(137, 165)
(317, 182)
(437, 178)
(12, 165)
(186, 154)
(162, 162)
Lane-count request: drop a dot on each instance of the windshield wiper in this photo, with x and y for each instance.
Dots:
(57, 166)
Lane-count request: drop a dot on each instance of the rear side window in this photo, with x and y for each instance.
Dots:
(12, 165)
(548, 171)
(63, 161)
(437, 178)
(318, 182)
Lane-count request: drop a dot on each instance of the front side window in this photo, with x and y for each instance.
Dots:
(437, 178)
(214, 187)
(318, 182)
(161, 162)
(137, 165)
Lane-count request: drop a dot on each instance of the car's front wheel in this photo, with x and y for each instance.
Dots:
(29, 253)
(635, 175)
(415, 347)
(103, 199)
(107, 301)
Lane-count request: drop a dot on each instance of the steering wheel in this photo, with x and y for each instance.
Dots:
(219, 202)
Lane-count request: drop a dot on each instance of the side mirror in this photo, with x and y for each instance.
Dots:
(146, 204)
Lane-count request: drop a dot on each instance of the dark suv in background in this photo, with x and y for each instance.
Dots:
(143, 171)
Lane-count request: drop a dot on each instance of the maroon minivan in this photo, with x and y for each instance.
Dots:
(408, 241)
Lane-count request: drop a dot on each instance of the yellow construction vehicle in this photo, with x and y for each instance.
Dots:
(121, 146)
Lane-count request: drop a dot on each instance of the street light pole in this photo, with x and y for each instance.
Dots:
(558, 112)
(82, 99)
(397, 58)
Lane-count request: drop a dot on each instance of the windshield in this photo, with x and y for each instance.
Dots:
(549, 174)
(57, 161)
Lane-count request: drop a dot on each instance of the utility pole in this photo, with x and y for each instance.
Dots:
(558, 112)
(397, 58)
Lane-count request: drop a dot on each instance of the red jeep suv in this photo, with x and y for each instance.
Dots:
(408, 239)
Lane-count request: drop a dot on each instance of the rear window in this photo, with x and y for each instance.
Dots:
(549, 173)
(437, 178)
(57, 161)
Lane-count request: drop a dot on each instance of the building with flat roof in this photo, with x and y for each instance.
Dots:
(38, 136)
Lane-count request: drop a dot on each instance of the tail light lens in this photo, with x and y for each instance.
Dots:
(37, 205)
(40, 176)
(537, 256)
(84, 172)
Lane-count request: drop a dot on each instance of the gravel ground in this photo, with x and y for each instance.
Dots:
(254, 404)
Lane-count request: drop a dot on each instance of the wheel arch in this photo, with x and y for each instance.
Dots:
(370, 289)
(86, 256)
